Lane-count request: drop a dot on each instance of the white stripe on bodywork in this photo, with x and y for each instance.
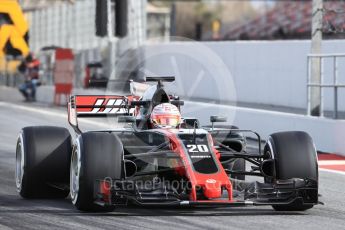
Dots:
(116, 110)
(99, 102)
(110, 102)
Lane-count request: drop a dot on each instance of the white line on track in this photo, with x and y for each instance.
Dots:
(332, 171)
(49, 113)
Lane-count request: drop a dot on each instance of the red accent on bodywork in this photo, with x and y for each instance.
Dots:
(105, 191)
(211, 190)
(215, 150)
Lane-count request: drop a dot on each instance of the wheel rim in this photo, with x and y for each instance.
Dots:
(19, 164)
(74, 176)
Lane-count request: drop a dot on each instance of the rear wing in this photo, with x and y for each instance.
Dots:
(137, 88)
(98, 106)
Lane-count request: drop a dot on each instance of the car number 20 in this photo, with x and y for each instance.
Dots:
(197, 148)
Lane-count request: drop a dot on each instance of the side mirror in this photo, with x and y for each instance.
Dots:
(190, 123)
(217, 119)
(126, 119)
(214, 119)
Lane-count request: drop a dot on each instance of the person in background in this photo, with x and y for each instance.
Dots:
(30, 68)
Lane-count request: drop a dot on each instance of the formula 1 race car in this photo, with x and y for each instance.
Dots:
(162, 159)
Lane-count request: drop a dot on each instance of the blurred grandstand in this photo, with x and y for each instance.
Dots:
(291, 20)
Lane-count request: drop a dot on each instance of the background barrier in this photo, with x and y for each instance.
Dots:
(264, 72)
(63, 74)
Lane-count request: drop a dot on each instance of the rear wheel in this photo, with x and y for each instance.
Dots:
(96, 156)
(295, 157)
(42, 162)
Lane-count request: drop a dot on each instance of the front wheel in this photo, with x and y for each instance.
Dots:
(295, 157)
(96, 156)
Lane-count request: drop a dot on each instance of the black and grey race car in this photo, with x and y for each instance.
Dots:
(188, 165)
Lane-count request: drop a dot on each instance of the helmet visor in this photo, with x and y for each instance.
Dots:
(165, 120)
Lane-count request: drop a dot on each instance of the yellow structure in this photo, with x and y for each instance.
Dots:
(14, 32)
(216, 29)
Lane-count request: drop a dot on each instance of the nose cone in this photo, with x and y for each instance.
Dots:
(212, 189)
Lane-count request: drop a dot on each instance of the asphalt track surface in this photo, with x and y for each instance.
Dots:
(17, 213)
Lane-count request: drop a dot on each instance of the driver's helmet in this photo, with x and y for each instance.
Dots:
(165, 115)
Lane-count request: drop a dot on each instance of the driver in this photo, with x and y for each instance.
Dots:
(165, 115)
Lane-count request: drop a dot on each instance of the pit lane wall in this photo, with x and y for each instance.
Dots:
(263, 72)
(328, 134)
